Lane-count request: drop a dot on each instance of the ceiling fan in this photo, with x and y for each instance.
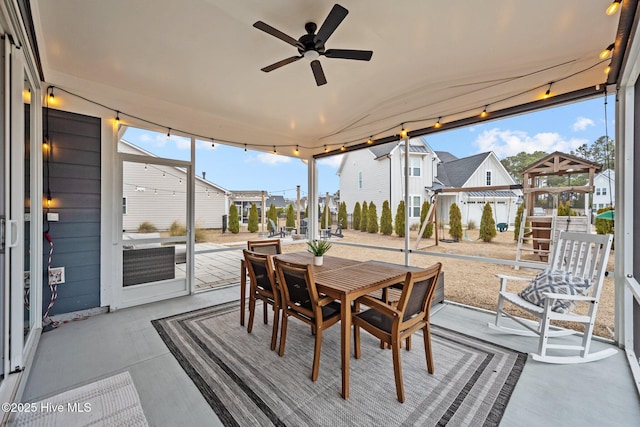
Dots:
(311, 45)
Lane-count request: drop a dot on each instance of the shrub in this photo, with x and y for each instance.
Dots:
(234, 222)
(364, 217)
(487, 224)
(342, 215)
(356, 216)
(455, 222)
(323, 220)
(604, 226)
(424, 210)
(518, 222)
(177, 229)
(252, 226)
(564, 209)
(272, 214)
(147, 227)
(399, 222)
(471, 225)
(386, 222)
(291, 217)
(200, 235)
(372, 222)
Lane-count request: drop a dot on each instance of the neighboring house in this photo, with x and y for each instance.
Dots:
(243, 199)
(377, 174)
(157, 194)
(604, 184)
(480, 170)
(278, 201)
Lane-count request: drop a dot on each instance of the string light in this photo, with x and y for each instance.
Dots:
(145, 167)
(613, 7)
(343, 148)
(297, 151)
(117, 117)
(326, 149)
(274, 150)
(370, 140)
(168, 133)
(547, 94)
(174, 193)
(607, 69)
(52, 97)
(438, 124)
(484, 112)
(403, 132)
(164, 175)
(245, 148)
(607, 52)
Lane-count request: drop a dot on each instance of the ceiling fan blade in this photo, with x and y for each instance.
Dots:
(277, 33)
(359, 55)
(337, 14)
(280, 64)
(318, 73)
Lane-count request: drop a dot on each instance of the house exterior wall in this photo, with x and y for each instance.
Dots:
(157, 194)
(417, 184)
(75, 189)
(604, 190)
(375, 180)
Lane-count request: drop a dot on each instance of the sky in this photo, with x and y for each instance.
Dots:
(556, 129)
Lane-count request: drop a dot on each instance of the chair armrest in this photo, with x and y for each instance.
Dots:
(325, 301)
(504, 278)
(569, 297)
(378, 305)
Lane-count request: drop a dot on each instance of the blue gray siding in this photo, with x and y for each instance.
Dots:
(75, 189)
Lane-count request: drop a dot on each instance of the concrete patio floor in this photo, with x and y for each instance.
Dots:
(78, 353)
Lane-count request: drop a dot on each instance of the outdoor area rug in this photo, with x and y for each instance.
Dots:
(112, 401)
(246, 383)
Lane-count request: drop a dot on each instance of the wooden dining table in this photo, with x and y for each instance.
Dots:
(345, 280)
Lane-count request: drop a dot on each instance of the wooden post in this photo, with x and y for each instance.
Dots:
(298, 224)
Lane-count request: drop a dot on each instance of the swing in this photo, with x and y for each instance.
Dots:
(502, 226)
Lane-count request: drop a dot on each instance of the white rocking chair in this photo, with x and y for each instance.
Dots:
(583, 255)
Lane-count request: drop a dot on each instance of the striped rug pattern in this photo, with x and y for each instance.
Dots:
(246, 383)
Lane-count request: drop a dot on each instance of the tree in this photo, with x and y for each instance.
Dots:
(518, 222)
(364, 217)
(564, 209)
(399, 222)
(428, 231)
(291, 217)
(272, 214)
(600, 151)
(357, 215)
(252, 226)
(234, 223)
(455, 222)
(372, 222)
(323, 220)
(487, 224)
(518, 163)
(342, 215)
(386, 222)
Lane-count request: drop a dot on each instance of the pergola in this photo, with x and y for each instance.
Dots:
(556, 164)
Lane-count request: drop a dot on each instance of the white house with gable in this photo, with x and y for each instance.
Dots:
(376, 174)
(604, 184)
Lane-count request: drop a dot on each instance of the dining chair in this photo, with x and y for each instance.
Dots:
(393, 324)
(300, 299)
(263, 286)
(266, 246)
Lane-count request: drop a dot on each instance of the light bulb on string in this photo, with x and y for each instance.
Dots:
(403, 133)
(274, 150)
(168, 133)
(245, 148)
(174, 193)
(343, 148)
(117, 117)
(484, 112)
(547, 94)
(607, 69)
(613, 7)
(326, 149)
(297, 151)
(370, 140)
(52, 97)
(607, 52)
(438, 124)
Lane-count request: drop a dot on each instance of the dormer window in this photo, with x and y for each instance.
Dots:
(488, 178)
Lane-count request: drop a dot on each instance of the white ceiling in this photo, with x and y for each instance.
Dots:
(195, 65)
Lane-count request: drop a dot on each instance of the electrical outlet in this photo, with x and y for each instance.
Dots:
(56, 275)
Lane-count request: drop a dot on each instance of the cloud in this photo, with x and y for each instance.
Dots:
(507, 143)
(582, 123)
(272, 159)
(332, 161)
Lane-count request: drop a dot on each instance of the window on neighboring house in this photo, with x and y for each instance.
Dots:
(415, 203)
(597, 191)
(604, 191)
(124, 206)
(415, 166)
(359, 179)
(488, 177)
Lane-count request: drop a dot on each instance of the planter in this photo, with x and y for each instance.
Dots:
(317, 260)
